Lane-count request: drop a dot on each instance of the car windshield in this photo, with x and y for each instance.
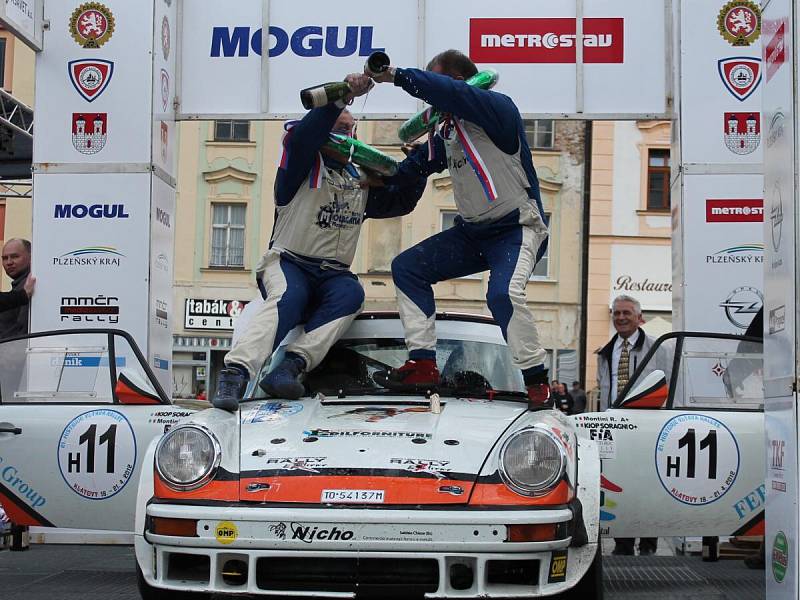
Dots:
(467, 368)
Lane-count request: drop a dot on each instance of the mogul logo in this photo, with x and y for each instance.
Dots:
(338, 215)
(735, 210)
(743, 254)
(91, 256)
(92, 211)
(308, 41)
(742, 132)
(310, 534)
(90, 309)
(545, 40)
(162, 217)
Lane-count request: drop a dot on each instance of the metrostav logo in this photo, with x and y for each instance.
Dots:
(545, 40)
(728, 210)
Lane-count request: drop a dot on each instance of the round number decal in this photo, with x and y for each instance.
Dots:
(97, 453)
(697, 459)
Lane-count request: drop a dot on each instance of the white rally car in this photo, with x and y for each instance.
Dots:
(355, 491)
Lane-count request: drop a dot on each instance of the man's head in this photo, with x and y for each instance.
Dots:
(626, 313)
(576, 385)
(344, 124)
(454, 64)
(16, 257)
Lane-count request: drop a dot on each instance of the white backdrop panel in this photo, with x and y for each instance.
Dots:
(100, 257)
(705, 99)
(723, 264)
(533, 47)
(57, 100)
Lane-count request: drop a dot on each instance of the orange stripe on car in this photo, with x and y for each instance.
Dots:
(493, 494)
(227, 491)
(397, 490)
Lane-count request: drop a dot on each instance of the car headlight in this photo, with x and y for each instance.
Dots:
(188, 457)
(532, 461)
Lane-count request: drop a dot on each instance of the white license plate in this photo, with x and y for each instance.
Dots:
(349, 496)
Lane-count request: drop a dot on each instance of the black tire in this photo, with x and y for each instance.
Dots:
(590, 587)
(148, 592)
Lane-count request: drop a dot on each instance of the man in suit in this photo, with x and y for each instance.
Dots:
(616, 363)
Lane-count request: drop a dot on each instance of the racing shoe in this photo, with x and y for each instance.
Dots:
(286, 380)
(230, 388)
(538, 389)
(414, 376)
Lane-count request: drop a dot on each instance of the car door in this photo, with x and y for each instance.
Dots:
(683, 449)
(78, 408)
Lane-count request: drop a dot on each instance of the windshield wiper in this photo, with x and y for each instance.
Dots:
(484, 394)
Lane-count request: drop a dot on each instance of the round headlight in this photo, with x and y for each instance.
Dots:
(532, 461)
(187, 457)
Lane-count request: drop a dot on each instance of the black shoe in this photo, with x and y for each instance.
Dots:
(621, 552)
(230, 388)
(646, 552)
(286, 380)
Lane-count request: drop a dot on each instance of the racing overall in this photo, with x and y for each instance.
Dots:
(500, 226)
(304, 276)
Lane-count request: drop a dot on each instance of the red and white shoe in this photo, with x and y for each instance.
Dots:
(539, 395)
(414, 376)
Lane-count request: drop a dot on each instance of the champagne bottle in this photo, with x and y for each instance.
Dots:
(427, 118)
(345, 149)
(377, 63)
(320, 95)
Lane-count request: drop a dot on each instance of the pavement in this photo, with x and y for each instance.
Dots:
(67, 572)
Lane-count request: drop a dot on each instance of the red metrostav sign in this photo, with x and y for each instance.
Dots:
(735, 211)
(545, 40)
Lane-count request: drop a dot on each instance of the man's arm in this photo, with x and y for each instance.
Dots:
(304, 140)
(494, 112)
(13, 299)
(393, 200)
(301, 145)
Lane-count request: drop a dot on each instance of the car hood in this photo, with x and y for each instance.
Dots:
(296, 451)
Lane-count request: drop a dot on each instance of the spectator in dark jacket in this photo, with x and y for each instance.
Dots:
(14, 304)
(562, 400)
(579, 397)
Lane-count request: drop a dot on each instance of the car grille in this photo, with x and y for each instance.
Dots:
(366, 575)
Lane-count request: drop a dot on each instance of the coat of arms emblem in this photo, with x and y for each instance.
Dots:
(90, 77)
(742, 132)
(741, 75)
(739, 22)
(91, 25)
(89, 132)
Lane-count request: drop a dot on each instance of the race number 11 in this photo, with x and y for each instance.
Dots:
(697, 458)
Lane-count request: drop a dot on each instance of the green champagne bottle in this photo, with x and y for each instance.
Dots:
(320, 95)
(345, 149)
(427, 118)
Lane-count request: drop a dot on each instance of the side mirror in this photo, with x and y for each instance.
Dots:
(650, 392)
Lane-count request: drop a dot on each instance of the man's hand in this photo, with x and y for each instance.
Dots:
(359, 83)
(409, 148)
(29, 284)
(386, 76)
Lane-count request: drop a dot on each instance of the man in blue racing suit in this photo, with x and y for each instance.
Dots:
(500, 225)
(305, 274)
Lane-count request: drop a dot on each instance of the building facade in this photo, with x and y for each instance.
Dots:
(630, 229)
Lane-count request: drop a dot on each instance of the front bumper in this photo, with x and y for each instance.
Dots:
(333, 552)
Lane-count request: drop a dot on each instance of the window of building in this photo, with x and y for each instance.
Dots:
(227, 235)
(658, 179)
(3, 62)
(542, 268)
(540, 133)
(231, 131)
